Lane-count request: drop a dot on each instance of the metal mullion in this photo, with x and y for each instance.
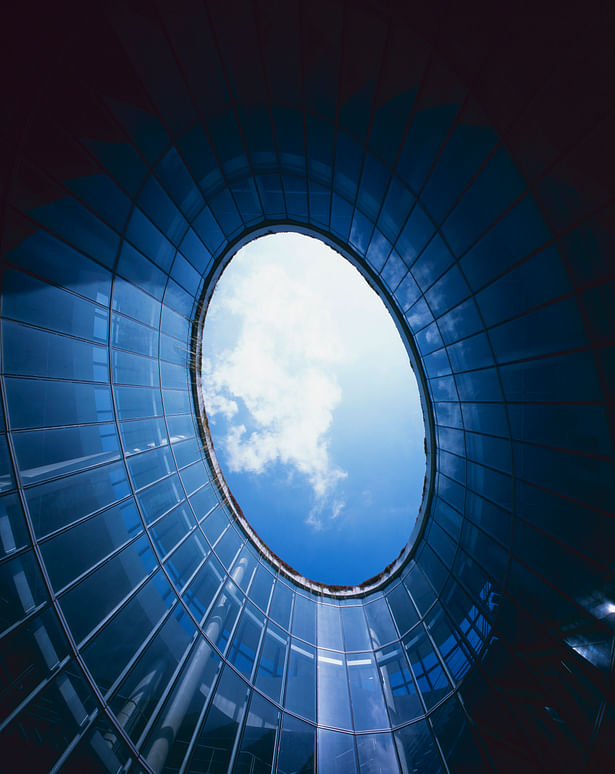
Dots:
(17, 431)
(500, 144)
(488, 615)
(59, 477)
(473, 654)
(94, 342)
(232, 104)
(83, 643)
(393, 168)
(7, 265)
(91, 570)
(529, 191)
(198, 728)
(173, 681)
(136, 492)
(169, 555)
(259, 46)
(565, 449)
(336, 126)
(51, 675)
(46, 173)
(203, 125)
(83, 730)
(134, 203)
(140, 651)
(58, 238)
(124, 316)
(66, 527)
(201, 622)
(151, 172)
(232, 567)
(570, 600)
(202, 519)
(15, 552)
(201, 628)
(173, 456)
(301, 32)
(191, 578)
(496, 540)
(236, 748)
(61, 380)
(420, 90)
(142, 452)
(215, 543)
(53, 601)
(43, 570)
(259, 651)
(572, 548)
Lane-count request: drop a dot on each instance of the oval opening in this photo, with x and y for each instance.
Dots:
(313, 408)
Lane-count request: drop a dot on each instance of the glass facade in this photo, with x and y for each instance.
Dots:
(142, 626)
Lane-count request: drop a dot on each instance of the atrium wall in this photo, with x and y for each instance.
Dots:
(466, 164)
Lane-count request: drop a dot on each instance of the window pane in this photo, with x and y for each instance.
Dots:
(329, 627)
(366, 693)
(377, 754)
(336, 753)
(169, 738)
(301, 679)
(429, 675)
(271, 666)
(212, 752)
(221, 619)
(399, 689)
(417, 750)
(296, 754)
(246, 639)
(257, 744)
(333, 699)
(281, 605)
(356, 636)
(304, 615)
(380, 622)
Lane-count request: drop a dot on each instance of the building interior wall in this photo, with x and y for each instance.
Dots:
(464, 157)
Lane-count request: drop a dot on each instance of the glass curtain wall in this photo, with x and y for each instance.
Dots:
(142, 628)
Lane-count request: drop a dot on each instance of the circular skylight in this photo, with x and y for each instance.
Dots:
(313, 408)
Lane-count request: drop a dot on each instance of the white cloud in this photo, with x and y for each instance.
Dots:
(323, 512)
(280, 366)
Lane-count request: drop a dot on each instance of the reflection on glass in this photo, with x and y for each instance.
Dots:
(301, 679)
(246, 640)
(400, 692)
(430, 676)
(224, 613)
(376, 754)
(212, 752)
(255, 755)
(336, 753)
(329, 627)
(168, 741)
(366, 693)
(304, 615)
(333, 699)
(356, 636)
(296, 754)
(270, 674)
(417, 750)
(380, 622)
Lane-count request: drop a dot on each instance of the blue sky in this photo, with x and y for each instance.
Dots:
(313, 408)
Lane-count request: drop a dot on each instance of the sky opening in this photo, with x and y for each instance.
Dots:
(313, 408)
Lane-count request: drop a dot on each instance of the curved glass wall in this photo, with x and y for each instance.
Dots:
(142, 627)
